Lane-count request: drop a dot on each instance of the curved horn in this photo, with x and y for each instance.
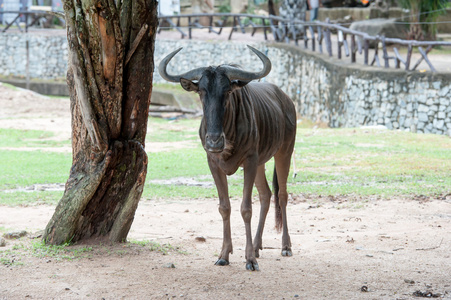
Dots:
(191, 75)
(239, 74)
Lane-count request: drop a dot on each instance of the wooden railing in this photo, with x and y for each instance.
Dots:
(31, 18)
(360, 43)
(313, 34)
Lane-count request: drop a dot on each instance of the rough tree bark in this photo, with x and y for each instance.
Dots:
(271, 9)
(111, 46)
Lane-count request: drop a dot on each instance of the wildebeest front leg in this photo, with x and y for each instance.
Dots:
(250, 171)
(220, 179)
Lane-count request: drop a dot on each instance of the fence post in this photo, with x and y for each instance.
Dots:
(320, 39)
(274, 30)
(384, 49)
(353, 49)
(189, 27)
(409, 56)
(27, 67)
(233, 28)
(264, 28)
(365, 51)
(312, 32)
(328, 40)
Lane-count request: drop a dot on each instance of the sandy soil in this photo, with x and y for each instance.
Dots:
(344, 247)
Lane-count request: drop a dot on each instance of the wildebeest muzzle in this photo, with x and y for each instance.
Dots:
(214, 142)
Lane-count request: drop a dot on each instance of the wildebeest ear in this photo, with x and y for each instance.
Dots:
(237, 84)
(188, 85)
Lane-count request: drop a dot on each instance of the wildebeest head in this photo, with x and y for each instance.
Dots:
(214, 86)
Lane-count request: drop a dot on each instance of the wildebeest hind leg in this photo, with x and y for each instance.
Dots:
(220, 179)
(282, 161)
(264, 193)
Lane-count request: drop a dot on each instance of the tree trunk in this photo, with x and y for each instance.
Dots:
(271, 9)
(111, 46)
(415, 30)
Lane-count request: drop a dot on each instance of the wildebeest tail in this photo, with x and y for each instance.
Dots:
(275, 186)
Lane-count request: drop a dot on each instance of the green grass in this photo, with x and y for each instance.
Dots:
(169, 131)
(155, 246)
(177, 163)
(329, 162)
(38, 249)
(13, 198)
(372, 162)
(41, 250)
(8, 258)
(25, 168)
(10, 86)
(13, 138)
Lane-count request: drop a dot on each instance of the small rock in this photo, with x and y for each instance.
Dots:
(427, 294)
(409, 281)
(201, 239)
(364, 289)
(2, 242)
(169, 266)
(36, 235)
(15, 235)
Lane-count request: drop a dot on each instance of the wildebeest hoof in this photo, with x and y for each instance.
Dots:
(287, 252)
(252, 266)
(222, 262)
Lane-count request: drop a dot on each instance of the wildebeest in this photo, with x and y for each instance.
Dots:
(244, 124)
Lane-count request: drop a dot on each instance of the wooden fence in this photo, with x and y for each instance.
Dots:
(30, 18)
(315, 36)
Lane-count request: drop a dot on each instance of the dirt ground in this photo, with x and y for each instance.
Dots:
(345, 247)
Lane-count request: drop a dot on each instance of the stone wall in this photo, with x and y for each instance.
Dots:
(345, 95)
(48, 55)
(324, 90)
(327, 91)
